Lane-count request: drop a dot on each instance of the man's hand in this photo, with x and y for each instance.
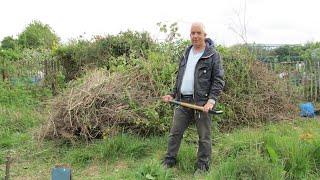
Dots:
(167, 98)
(208, 106)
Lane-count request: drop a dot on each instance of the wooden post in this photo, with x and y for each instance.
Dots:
(311, 83)
(315, 80)
(318, 72)
(297, 83)
(8, 168)
(289, 79)
(303, 79)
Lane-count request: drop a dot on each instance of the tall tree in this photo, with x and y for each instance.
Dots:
(36, 35)
(8, 42)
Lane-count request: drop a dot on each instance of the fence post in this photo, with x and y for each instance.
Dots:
(8, 167)
(303, 79)
(311, 83)
(318, 81)
(315, 80)
(289, 79)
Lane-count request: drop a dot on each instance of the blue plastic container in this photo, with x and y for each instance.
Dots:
(61, 173)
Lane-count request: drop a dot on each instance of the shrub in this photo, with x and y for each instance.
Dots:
(80, 54)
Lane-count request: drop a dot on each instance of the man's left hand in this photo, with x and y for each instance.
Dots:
(208, 106)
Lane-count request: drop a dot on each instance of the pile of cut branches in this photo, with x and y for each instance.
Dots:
(254, 94)
(102, 105)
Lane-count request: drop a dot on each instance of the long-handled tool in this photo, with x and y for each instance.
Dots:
(200, 108)
(193, 106)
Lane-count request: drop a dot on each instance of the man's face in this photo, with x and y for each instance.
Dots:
(197, 36)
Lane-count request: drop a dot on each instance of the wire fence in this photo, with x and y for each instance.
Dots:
(45, 72)
(302, 78)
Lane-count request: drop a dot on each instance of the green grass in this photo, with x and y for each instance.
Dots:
(288, 150)
(247, 166)
(284, 150)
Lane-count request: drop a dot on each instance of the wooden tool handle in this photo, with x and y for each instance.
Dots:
(196, 107)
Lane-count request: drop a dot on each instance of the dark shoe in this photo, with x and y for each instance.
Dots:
(169, 163)
(201, 169)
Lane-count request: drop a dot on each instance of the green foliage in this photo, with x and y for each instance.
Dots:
(22, 92)
(157, 116)
(36, 64)
(124, 43)
(103, 52)
(7, 63)
(9, 55)
(66, 56)
(111, 149)
(187, 157)
(17, 93)
(153, 170)
(15, 124)
(245, 140)
(37, 34)
(173, 46)
(287, 151)
(247, 166)
(315, 54)
(296, 154)
(287, 53)
(122, 146)
(9, 42)
(282, 52)
(272, 153)
(239, 83)
(79, 157)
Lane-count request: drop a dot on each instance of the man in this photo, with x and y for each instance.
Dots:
(199, 81)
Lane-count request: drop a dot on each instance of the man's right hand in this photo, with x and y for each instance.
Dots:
(167, 98)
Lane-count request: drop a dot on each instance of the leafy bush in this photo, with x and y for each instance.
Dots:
(37, 34)
(80, 54)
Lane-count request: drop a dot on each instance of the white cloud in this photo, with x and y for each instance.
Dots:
(268, 21)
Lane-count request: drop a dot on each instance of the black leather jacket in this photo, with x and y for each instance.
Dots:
(208, 75)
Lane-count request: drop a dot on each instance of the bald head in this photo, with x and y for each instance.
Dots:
(199, 25)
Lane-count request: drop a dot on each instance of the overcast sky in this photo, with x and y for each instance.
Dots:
(267, 21)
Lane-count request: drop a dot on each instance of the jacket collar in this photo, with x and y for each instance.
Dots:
(208, 51)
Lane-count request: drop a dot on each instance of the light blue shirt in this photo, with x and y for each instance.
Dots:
(188, 77)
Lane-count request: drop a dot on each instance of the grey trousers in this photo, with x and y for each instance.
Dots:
(182, 119)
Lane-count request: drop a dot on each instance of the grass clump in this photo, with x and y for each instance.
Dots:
(153, 170)
(248, 166)
(287, 150)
